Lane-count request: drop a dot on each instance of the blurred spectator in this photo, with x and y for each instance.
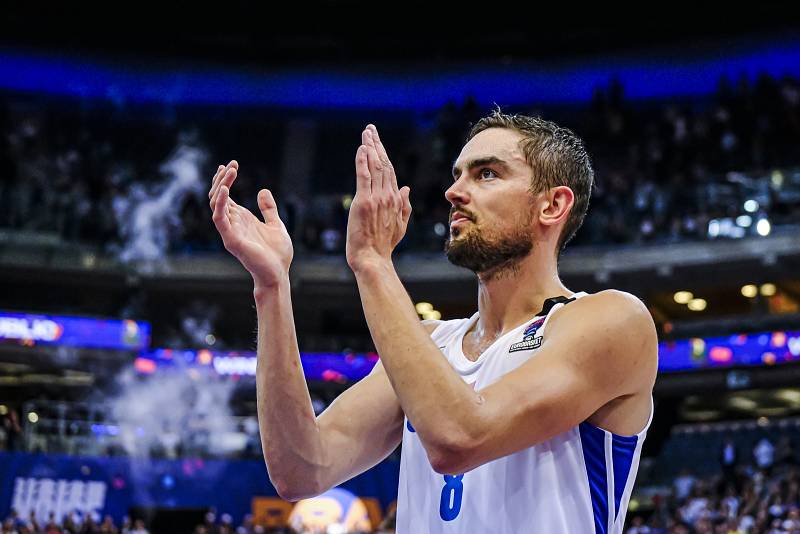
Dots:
(683, 484)
(728, 458)
(764, 454)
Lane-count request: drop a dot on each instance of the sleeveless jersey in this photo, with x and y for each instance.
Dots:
(574, 483)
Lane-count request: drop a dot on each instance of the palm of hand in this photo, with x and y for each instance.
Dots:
(263, 248)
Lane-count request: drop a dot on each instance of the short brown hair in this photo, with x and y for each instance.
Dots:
(557, 156)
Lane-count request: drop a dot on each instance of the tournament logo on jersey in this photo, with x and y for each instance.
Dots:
(529, 339)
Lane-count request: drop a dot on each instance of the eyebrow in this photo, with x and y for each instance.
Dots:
(481, 162)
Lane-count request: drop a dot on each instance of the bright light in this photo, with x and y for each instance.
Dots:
(768, 289)
(347, 200)
(762, 421)
(744, 221)
(683, 297)
(749, 291)
(433, 314)
(33, 417)
(439, 229)
(777, 179)
(763, 227)
(423, 307)
(3, 409)
(751, 206)
(697, 304)
(713, 228)
(210, 339)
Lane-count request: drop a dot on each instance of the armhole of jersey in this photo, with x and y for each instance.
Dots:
(438, 327)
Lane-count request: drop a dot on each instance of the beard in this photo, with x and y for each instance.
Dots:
(488, 254)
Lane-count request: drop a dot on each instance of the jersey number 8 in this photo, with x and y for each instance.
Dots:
(450, 504)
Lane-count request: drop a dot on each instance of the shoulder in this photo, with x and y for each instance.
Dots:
(616, 325)
(608, 309)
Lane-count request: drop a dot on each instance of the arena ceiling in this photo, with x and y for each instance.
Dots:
(334, 32)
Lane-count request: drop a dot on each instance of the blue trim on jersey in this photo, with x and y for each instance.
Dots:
(594, 454)
(622, 451)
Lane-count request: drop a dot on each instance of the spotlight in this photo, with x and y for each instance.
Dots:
(423, 307)
(749, 291)
(683, 297)
(763, 227)
(768, 290)
(697, 304)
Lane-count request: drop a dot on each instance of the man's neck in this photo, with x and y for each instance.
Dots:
(508, 299)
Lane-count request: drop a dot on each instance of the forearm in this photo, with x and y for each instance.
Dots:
(290, 436)
(440, 405)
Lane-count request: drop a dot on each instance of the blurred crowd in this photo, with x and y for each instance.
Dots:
(664, 169)
(71, 523)
(76, 523)
(756, 495)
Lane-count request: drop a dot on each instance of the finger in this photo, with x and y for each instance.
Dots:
(220, 217)
(268, 207)
(214, 181)
(384, 157)
(405, 209)
(227, 179)
(221, 170)
(363, 179)
(373, 161)
(219, 179)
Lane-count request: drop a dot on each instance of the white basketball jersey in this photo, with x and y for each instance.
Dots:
(577, 482)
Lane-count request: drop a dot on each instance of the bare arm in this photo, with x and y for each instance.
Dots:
(305, 455)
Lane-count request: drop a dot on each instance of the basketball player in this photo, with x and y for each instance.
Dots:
(528, 416)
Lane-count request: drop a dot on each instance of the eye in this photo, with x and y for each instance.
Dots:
(487, 173)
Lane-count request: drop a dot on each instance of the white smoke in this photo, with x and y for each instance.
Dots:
(178, 411)
(149, 216)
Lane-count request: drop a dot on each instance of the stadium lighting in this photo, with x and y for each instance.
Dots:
(423, 307)
(742, 403)
(744, 221)
(768, 290)
(683, 297)
(713, 228)
(697, 304)
(763, 227)
(777, 179)
(439, 229)
(749, 291)
(751, 206)
(33, 417)
(210, 339)
(433, 314)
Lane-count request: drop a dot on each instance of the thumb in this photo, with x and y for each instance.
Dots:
(405, 191)
(268, 207)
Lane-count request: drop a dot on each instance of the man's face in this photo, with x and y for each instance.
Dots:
(492, 215)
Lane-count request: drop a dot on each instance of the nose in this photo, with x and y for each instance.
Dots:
(457, 194)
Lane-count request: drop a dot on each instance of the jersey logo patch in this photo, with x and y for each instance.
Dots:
(533, 327)
(529, 339)
(528, 343)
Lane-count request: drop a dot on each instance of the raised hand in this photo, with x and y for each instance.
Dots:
(379, 213)
(263, 248)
